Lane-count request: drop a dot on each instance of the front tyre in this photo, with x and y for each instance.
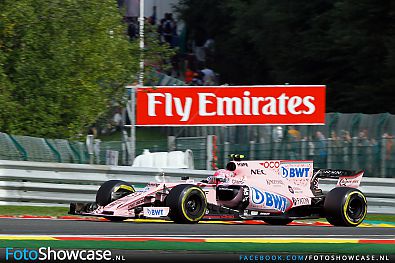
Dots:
(345, 206)
(113, 190)
(187, 204)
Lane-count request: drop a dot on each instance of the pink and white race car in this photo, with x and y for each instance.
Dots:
(275, 191)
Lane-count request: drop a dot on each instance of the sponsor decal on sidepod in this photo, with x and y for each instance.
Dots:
(156, 211)
(269, 200)
(295, 172)
(270, 164)
(301, 201)
(274, 182)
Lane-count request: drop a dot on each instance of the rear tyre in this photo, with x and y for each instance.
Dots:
(278, 222)
(345, 206)
(187, 204)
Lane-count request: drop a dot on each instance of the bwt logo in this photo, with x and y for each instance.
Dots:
(155, 212)
(270, 200)
(295, 172)
(257, 196)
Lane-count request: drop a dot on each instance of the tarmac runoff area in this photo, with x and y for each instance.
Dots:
(141, 236)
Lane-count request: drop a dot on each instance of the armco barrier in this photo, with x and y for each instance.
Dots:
(58, 184)
(35, 183)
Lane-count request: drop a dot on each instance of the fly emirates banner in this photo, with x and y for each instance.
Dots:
(230, 105)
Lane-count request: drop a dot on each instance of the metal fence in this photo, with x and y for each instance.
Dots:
(377, 160)
(346, 141)
(376, 156)
(27, 148)
(371, 126)
(198, 145)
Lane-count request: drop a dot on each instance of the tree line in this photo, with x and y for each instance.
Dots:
(348, 45)
(63, 63)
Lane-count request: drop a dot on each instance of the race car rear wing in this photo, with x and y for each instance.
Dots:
(334, 173)
(349, 178)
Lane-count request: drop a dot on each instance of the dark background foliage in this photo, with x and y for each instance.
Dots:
(348, 45)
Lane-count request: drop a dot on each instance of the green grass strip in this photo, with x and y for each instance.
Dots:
(379, 217)
(224, 247)
(11, 210)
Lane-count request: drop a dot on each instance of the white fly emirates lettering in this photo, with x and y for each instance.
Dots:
(182, 109)
(204, 106)
(229, 106)
(254, 105)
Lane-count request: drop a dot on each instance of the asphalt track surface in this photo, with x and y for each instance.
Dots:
(11, 226)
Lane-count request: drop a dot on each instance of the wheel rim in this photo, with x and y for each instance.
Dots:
(356, 208)
(193, 205)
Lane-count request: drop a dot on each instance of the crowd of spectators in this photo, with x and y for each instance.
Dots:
(343, 148)
(191, 61)
(189, 64)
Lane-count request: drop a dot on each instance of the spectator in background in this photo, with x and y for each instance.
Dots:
(336, 150)
(375, 157)
(160, 30)
(197, 79)
(209, 49)
(175, 38)
(150, 21)
(153, 16)
(294, 133)
(199, 41)
(310, 147)
(117, 121)
(208, 77)
(278, 134)
(293, 141)
(175, 66)
(132, 28)
(388, 145)
(320, 146)
(362, 145)
(169, 29)
(346, 147)
(390, 163)
(189, 73)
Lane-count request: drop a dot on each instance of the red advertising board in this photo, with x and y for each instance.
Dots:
(230, 105)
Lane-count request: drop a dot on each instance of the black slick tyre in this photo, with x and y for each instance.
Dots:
(187, 204)
(345, 206)
(113, 190)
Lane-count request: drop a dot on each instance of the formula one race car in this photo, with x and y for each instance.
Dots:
(275, 191)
